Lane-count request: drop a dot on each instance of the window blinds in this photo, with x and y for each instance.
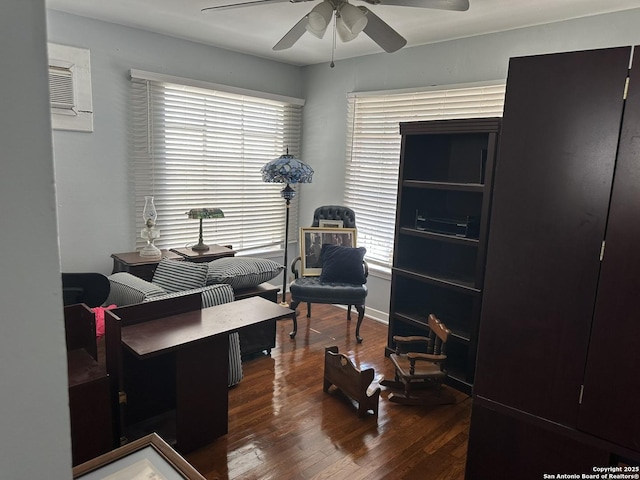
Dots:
(373, 150)
(197, 147)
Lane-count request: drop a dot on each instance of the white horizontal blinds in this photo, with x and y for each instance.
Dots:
(373, 150)
(195, 147)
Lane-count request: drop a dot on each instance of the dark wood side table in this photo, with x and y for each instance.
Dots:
(215, 252)
(260, 337)
(139, 266)
(264, 290)
(144, 268)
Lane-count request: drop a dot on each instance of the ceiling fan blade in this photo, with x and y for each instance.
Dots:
(458, 5)
(293, 35)
(250, 3)
(381, 33)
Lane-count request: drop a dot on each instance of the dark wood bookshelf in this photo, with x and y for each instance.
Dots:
(445, 179)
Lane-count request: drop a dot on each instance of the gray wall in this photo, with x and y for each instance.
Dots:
(34, 417)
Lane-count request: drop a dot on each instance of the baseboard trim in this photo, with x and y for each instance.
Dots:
(373, 314)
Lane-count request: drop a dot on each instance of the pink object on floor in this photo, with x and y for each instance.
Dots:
(99, 311)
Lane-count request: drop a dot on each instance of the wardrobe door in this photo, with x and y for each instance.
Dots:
(551, 195)
(610, 407)
(505, 447)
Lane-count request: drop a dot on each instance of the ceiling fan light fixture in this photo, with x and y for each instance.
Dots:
(319, 19)
(343, 32)
(354, 19)
(316, 33)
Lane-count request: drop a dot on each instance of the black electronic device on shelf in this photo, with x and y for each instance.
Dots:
(467, 226)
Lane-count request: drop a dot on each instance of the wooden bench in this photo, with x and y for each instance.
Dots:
(340, 371)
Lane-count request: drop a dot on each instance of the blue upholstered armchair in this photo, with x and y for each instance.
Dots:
(344, 273)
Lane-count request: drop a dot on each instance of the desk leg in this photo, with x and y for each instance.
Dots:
(202, 393)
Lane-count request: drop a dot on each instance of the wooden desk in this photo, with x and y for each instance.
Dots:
(180, 361)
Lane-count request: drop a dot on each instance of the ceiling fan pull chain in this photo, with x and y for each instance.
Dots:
(333, 46)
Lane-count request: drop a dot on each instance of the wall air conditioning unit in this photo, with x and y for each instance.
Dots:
(70, 88)
(63, 99)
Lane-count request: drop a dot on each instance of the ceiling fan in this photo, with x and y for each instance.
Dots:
(350, 20)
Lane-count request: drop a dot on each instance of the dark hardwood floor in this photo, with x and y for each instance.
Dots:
(283, 426)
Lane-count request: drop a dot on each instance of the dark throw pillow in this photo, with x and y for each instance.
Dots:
(342, 264)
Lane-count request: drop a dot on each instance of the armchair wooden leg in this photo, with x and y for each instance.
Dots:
(308, 309)
(360, 309)
(293, 306)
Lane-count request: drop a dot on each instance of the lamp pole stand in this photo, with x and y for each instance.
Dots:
(287, 193)
(286, 169)
(200, 247)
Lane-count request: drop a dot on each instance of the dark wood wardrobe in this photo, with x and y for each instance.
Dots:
(557, 385)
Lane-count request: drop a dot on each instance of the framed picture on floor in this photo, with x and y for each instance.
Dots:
(311, 241)
(148, 458)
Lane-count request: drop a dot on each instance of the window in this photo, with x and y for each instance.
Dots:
(373, 150)
(198, 145)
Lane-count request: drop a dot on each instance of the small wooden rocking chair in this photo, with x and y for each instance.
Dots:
(420, 364)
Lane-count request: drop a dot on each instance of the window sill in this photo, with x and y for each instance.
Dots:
(379, 271)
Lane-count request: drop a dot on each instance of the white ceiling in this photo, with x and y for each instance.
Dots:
(255, 29)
